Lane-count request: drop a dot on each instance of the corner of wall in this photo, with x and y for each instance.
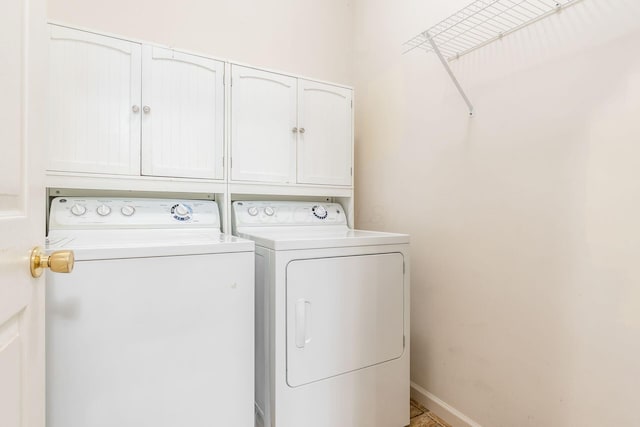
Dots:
(445, 411)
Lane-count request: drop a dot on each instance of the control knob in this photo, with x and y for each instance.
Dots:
(269, 211)
(320, 212)
(253, 211)
(103, 210)
(78, 210)
(128, 210)
(181, 210)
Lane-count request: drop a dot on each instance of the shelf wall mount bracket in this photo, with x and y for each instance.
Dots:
(445, 63)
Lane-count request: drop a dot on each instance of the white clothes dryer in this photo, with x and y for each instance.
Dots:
(332, 317)
(154, 327)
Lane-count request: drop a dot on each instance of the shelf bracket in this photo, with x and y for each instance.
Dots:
(445, 63)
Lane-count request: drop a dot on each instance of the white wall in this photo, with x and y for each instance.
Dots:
(525, 220)
(306, 37)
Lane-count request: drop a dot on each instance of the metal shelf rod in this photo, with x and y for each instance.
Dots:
(450, 72)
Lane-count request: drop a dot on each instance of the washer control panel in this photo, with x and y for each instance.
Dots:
(102, 212)
(260, 213)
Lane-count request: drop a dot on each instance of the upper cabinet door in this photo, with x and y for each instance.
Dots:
(182, 115)
(325, 134)
(263, 126)
(94, 93)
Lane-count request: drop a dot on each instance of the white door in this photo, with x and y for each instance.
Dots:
(325, 138)
(183, 115)
(22, 141)
(343, 314)
(94, 103)
(263, 126)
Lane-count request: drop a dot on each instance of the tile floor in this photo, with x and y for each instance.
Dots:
(422, 417)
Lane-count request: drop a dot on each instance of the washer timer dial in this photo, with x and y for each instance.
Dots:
(319, 212)
(181, 212)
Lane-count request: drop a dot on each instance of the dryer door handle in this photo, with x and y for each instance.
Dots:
(303, 321)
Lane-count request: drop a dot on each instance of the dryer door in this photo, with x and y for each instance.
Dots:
(343, 314)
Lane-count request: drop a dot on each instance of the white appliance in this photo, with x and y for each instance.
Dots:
(332, 317)
(154, 327)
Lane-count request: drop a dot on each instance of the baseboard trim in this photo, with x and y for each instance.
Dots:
(445, 411)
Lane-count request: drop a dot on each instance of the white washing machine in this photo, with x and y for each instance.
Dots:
(154, 326)
(332, 317)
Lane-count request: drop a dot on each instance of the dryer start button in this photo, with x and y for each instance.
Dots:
(128, 210)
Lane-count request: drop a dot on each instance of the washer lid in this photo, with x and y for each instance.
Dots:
(292, 238)
(135, 243)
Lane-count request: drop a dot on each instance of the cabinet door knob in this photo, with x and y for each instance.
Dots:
(302, 130)
(146, 109)
(294, 130)
(135, 109)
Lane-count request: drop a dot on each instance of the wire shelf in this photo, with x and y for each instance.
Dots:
(481, 23)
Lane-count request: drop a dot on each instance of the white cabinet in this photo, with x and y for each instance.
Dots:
(324, 134)
(182, 114)
(122, 108)
(289, 130)
(263, 118)
(94, 86)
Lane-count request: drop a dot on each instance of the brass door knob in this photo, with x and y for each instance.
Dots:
(58, 262)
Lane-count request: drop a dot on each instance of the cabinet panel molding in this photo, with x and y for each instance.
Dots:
(94, 85)
(182, 115)
(325, 138)
(263, 116)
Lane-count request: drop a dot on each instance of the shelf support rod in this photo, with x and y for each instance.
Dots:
(435, 48)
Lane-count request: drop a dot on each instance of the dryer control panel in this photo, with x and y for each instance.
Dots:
(103, 212)
(263, 213)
